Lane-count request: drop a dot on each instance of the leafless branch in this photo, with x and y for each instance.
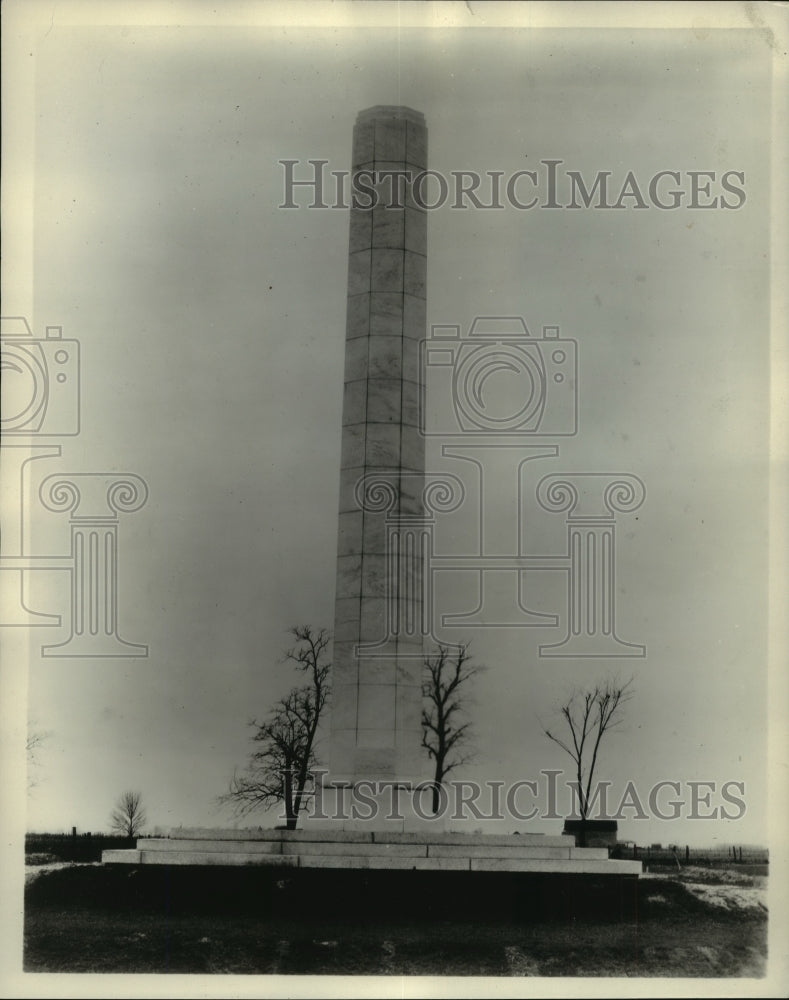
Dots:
(279, 768)
(128, 817)
(446, 734)
(589, 714)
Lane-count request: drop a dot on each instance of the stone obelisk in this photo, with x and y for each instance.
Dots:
(377, 665)
(383, 605)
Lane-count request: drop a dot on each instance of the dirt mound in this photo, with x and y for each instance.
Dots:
(720, 894)
(34, 870)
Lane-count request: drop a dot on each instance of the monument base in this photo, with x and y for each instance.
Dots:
(379, 849)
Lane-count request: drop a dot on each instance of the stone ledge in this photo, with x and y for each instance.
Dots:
(564, 866)
(568, 867)
(429, 833)
(228, 846)
(598, 853)
(524, 851)
(219, 858)
(385, 863)
(293, 836)
(123, 857)
(411, 847)
(426, 835)
(328, 849)
(424, 850)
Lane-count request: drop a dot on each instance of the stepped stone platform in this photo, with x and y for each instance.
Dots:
(381, 850)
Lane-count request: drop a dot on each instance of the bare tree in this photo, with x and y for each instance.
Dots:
(279, 768)
(589, 715)
(446, 730)
(128, 817)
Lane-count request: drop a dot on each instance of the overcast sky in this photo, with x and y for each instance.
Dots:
(211, 326)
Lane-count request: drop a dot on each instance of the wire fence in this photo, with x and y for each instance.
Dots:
(679, 855)
(74, 846)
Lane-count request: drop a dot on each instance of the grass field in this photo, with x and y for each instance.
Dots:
(93, 919)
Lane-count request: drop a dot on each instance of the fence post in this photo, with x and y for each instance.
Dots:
(687, 854)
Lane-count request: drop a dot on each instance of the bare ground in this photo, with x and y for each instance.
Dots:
(692, 923)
